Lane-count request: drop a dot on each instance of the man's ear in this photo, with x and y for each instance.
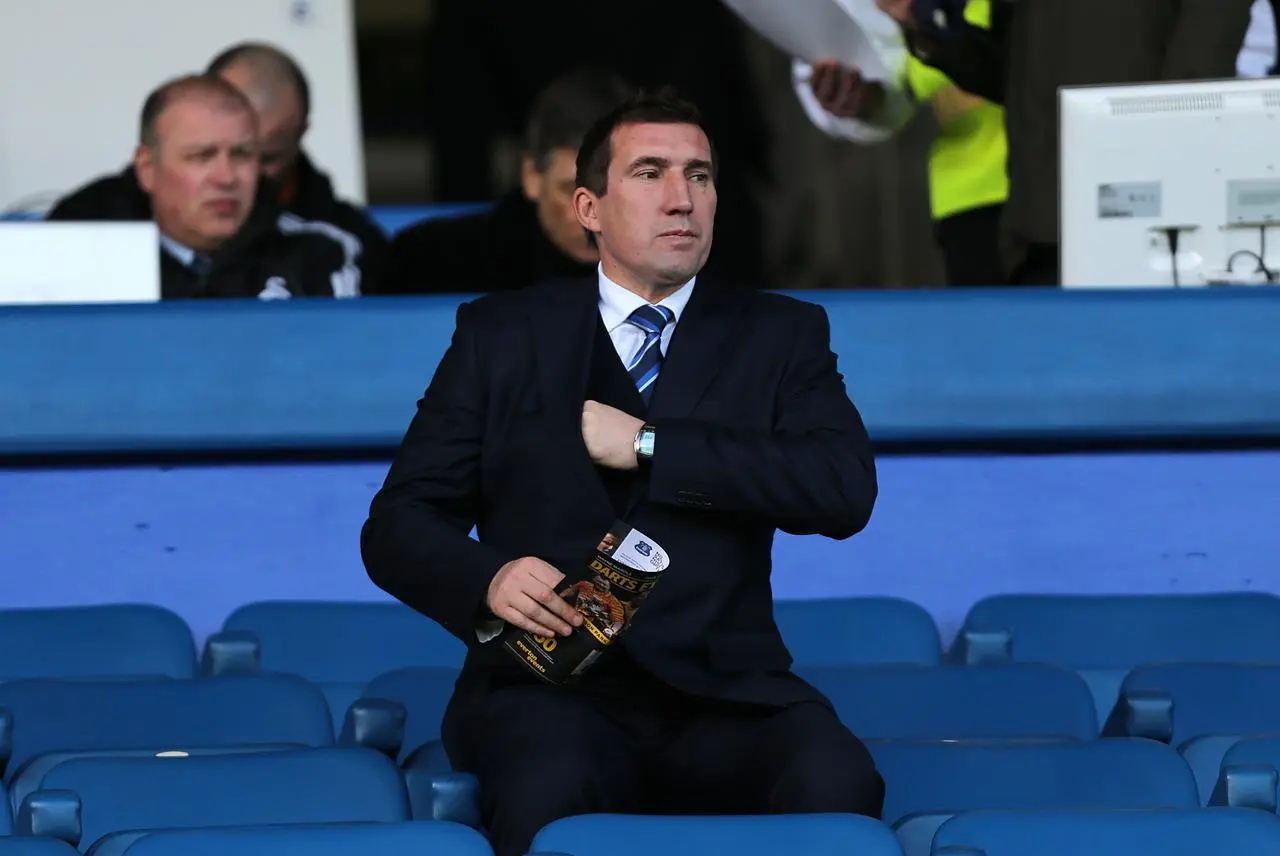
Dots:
(585, 206)
(532, 181)
(144, 165)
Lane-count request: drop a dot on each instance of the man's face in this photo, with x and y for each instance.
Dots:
(551, 191)
(655, 220)
(281, 124)
(203, 173)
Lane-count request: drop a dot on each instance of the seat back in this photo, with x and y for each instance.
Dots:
(950, 777)
(633, 835)
(6, 812)
(965, 703)
(1250, 775)
(61, 716)
(1109, 833)
(1176, 702)
(436, 838)
(857, 630)
(306, 786)
(424, 692)
(31, 846)
(95, 641)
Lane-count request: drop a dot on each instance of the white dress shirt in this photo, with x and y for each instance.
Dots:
(616, 306)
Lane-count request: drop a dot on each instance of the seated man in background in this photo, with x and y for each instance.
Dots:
(532, 233)
(280, 94)
(222, 234)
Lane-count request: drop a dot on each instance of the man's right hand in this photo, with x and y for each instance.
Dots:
(843, 92)
(523, 593)
(898, 10)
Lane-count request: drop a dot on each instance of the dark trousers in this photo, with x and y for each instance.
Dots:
(542, 753)
(970, 244)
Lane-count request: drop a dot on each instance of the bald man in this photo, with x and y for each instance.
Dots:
(195, 174)
(280, 94)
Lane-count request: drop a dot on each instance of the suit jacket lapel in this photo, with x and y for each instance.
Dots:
(697, 350)
(562, 332)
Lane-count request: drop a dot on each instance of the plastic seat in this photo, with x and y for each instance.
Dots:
(431, 838)
(85, 800)
(339, 646)
(928, 782)
(1175, 702)
(118, 640)
(947, 702)
(46, 722)
(424, 693)
(857, 631)
(26, 846)
(1104, 636)
(1250, 775)
(633, 835)
(1217, 832)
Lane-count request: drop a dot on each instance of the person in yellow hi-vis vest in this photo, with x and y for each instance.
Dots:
(968, 182)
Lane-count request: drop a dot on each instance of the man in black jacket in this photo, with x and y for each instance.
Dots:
(707, 417)
(281, 96)
(531, 233)
(195, 172)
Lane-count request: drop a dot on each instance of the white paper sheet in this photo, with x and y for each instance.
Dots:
(855, 32)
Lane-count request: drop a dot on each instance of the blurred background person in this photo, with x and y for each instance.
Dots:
(278, 90)
(1258, 57)
(1034, 47)
(968, 182)
(222, 233)
(531, 233)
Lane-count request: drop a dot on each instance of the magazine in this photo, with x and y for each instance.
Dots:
(608, 590)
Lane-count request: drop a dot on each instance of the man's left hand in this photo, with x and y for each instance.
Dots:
(610, 435)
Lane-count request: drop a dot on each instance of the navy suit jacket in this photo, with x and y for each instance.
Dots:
(755, 433)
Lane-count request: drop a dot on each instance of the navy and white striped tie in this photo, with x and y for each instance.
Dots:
(647, 363)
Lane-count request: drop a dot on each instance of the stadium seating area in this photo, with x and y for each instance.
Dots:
(1055, 725)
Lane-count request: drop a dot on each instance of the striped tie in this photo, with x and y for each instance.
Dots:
(648, 362)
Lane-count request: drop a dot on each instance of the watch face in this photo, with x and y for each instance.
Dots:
(646, 443)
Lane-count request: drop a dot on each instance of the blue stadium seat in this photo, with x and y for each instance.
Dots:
(927, 782)
(340, 646)
(424, 693)
(1201, 708)
(857, 631)
(86, 799)
(1250, 775)
(436, 792)
(1104, 636)
(47, 721)
(95, 641)
(25, 846)
(1216, 832)
(773, 835)
(965, 703)
(6, 812)
(431, 838)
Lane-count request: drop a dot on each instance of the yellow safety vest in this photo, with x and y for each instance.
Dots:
(967, 160)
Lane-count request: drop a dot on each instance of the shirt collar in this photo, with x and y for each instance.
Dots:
(182, 253)
(617, 304)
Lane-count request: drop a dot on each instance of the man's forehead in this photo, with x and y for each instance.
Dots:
(670, 141)
(203, 117)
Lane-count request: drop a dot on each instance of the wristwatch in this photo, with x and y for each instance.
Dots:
(644, 444)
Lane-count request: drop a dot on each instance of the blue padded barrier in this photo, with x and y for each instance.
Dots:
(116, 640)
(935, 365)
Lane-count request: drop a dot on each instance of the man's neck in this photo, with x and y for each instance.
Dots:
(650, 292)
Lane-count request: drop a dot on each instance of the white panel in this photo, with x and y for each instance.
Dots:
(76, 73)
(79, 263)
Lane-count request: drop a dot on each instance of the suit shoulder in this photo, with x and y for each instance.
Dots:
(783, 307)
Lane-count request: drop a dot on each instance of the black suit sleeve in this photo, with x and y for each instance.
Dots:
(814, 473)
(1206, 39)
(415, 543)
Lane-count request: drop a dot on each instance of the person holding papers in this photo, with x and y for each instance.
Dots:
(709, 418)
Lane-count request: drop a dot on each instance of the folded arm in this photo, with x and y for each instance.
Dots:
(813, 473)
(416, 543)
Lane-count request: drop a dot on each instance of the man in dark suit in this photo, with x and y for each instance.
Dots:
(707, 417)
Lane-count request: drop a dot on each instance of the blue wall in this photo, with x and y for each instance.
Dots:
(921, 365)
(946, 531)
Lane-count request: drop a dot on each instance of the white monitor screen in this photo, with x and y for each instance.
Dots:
(79, 262)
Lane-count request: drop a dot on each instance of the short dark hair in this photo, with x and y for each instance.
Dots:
(274, 58)
(564, 112)
(180, 87)
(662, 106)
